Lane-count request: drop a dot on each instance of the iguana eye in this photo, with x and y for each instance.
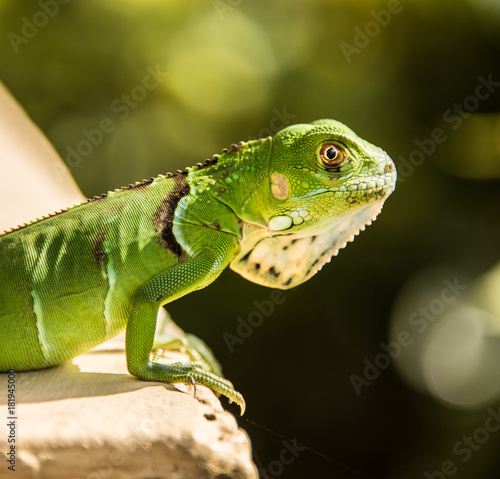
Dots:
(331, 155)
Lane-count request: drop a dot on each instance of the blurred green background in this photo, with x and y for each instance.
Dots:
(399, 74)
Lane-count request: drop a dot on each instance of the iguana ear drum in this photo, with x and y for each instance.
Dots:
(280, 187)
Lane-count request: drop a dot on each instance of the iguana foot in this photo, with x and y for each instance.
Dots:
(193, 373)
(193, 346)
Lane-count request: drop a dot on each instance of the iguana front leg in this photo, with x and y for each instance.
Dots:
(202, 268)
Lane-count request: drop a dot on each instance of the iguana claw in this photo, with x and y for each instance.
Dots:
(192, 373)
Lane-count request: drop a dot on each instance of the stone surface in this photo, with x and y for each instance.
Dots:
(90, 419)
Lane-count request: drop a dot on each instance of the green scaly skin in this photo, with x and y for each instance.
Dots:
(274, 210)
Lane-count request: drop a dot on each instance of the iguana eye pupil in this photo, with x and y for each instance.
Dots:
(331, 155)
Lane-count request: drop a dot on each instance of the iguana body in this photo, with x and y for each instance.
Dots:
(275, 210)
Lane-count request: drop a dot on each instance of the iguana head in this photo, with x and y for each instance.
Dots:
(325, 184)
(320, 172)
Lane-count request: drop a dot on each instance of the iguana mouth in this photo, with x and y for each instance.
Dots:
(367, 186)
(359, 188)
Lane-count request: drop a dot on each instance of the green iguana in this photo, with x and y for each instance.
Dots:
(275, 210)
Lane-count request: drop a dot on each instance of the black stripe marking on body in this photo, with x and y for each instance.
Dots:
(164, 214)
(98, 252)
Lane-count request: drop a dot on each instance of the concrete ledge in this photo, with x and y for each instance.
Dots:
(90, 419)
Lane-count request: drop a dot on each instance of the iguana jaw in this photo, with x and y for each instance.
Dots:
(287, 260)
